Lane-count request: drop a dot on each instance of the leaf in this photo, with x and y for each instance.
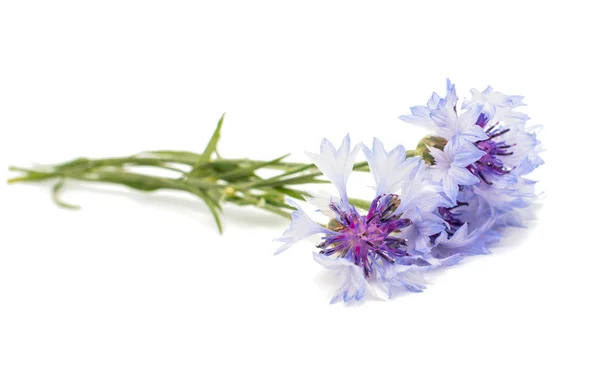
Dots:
(56, 191)
(213, 209)
(303, 179)
(211, 203)
(211, 147)
(278, 204)
(171, 153)
(180, 157)
(30, 175)
(276, 211)
(264, 204)
(298, 194)
(151, 183)
(133, 180)
(249, 171)
(293, 171)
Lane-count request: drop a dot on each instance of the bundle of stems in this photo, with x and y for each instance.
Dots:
(206, 175)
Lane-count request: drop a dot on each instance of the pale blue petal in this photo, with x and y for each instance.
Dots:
(300, 228)
(418, 192)
(423, 226)
(467, 242)
(421, 111)
(466, 153)
(433, 101)
(441, 158)
(462, 176)
(354, 287)
(466, 125)
(388, 169)
(336, 165)
(450, 188)
(394, 276)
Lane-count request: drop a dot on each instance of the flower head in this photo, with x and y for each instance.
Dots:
(489, 150)
(373, 244)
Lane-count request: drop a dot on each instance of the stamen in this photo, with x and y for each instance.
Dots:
(492, 127)
(385, 256)
(396, 240)
(490, 163)
(495, 135)
(483, 178)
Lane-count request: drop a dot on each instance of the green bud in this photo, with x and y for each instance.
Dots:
(422, 147)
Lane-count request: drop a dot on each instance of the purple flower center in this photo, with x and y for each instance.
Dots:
(363, 239)
(494, 147)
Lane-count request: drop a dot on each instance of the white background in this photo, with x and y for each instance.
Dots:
(138, 280)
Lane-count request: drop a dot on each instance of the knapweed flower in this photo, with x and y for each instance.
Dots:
(390, 245)
(488, 152)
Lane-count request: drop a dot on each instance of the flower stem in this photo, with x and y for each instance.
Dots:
(208, 176)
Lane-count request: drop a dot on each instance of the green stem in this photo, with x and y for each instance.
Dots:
(213, 180)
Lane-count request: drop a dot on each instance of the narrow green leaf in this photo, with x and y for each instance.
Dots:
(249, 171)
(171, 153)
(265, 205)
(304, 179)
(278, 204)
(29, 175)
(213, 210)
(55, 196)
(298, 194)
(81, 161)
(293, 171)
(277, 211)
(181, 157)
(211, 147)
(212, 205)
(133, 180)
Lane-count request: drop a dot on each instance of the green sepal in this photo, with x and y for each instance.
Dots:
(423, 150)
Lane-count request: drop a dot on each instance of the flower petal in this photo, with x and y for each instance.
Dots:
(355, 286)
(300, 228)
(388, 169)
(336, 165)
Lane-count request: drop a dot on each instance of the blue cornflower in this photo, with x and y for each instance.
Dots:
(481, 168)
(390, 244)
(493, 145)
